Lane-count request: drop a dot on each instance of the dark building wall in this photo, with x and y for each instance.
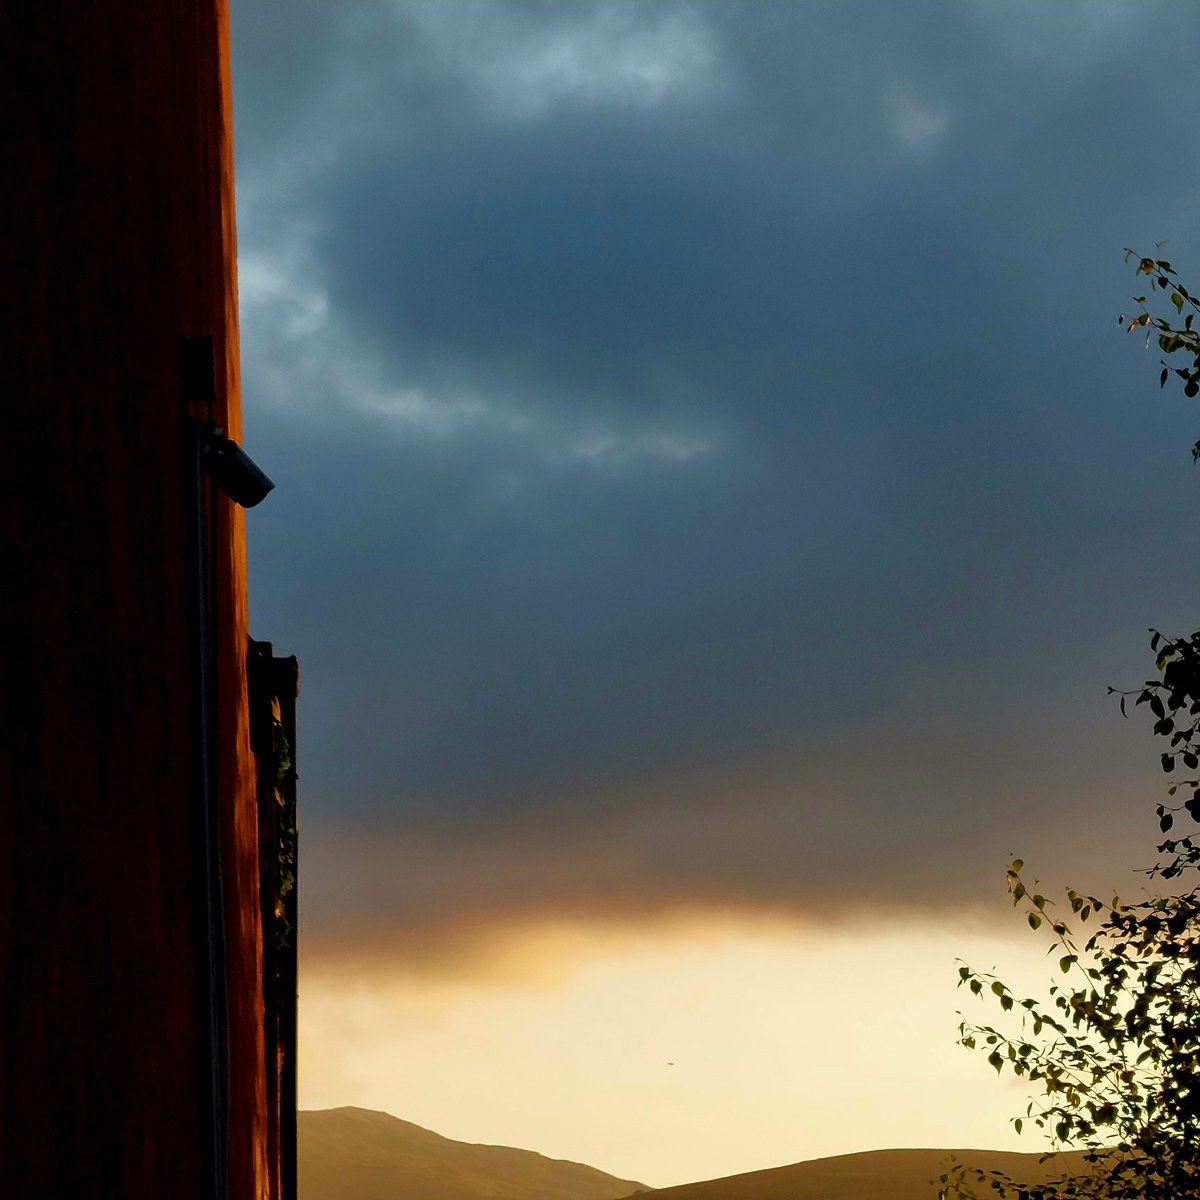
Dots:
(116, 243)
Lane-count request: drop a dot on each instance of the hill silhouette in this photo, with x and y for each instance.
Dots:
(870, 1175)
(357, 1154)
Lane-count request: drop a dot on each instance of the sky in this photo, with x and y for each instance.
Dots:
(714, 495)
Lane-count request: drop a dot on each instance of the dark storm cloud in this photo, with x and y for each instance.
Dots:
(710, 468)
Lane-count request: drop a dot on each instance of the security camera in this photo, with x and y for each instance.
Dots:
(232, 469)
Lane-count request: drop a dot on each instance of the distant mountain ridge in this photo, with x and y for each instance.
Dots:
(869, 1175)
(358, 1154)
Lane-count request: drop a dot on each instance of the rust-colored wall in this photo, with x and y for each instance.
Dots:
(116, 242)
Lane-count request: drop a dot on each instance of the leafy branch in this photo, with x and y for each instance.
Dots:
(1115, 1045)
(1173, 338)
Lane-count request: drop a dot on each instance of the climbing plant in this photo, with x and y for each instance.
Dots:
(283, 773)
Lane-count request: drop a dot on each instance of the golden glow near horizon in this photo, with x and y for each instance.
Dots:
(702, 1050)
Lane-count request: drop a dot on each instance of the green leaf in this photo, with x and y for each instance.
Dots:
(1177, 300)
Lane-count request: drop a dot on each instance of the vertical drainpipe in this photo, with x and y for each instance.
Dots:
(200, 387)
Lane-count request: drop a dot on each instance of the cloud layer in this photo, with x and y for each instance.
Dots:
(710, 474)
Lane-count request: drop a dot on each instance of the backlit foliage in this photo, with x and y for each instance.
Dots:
(1113, 1049)
(1180, 342)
